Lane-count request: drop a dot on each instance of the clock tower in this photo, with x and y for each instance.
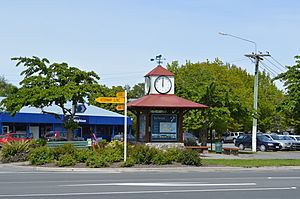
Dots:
(159, 81)
(160, 112)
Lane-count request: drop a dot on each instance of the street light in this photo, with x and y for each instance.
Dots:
(226, 34)
(257, 58)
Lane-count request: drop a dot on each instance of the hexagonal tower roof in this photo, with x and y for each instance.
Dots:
(159, 70)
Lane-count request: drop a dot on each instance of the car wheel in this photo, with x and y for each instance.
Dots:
(241, 146)
(262, 147)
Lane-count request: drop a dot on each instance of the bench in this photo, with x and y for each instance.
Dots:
(77, 144)
(233, 151)
(201, 149)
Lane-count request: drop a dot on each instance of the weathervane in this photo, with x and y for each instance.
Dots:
(159, 59)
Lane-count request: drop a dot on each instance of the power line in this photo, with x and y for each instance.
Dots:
(278, 62)
(270, 70)
(280, 69)
(238, 60)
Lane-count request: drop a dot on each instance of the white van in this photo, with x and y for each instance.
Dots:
(230, 136)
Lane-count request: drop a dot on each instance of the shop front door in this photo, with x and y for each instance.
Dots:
(34, 132)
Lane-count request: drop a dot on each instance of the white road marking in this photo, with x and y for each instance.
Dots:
(48, 172)
(145, 192)
(283, 178)
(160, 184)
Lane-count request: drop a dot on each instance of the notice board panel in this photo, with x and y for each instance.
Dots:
(164, 127)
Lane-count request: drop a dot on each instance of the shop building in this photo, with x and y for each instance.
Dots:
(35, 123)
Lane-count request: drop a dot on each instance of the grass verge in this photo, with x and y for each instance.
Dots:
(251, 162)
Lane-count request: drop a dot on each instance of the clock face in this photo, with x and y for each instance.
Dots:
(163, 84)
(147, 85)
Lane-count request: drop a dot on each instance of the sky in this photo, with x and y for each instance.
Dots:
(117, 38)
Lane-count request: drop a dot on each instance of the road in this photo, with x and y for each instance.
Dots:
(183, 183)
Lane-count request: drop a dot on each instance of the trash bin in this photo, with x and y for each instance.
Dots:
(218, 147)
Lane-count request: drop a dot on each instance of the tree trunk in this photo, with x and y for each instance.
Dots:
(204, 137)
(69, 134)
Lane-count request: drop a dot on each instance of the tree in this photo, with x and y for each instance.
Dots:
(291, 103)
(46, 83)
(228, 91)
(137, 91)
(5, 87)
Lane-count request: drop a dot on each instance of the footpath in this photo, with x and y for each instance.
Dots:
(257, 155)
(24, 167)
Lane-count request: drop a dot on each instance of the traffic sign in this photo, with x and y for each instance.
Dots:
(80, 108)
(116, 100)
(120, 94)
(120, 107)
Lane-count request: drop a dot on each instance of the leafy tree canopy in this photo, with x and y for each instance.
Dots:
(291, 103)
(48, 83)
(5, 87)
(228, 91)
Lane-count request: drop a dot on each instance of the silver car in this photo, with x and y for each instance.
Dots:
(285, 144)
(295, 137)
(295, 143)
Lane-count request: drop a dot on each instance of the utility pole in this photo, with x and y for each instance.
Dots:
(257, 58)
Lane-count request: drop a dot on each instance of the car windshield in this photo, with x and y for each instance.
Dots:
(263, 138)
(287, 138)
(241, 136)
(50, 134)
(18, 135)
(188, 135)
(276, 137)
(53, 133)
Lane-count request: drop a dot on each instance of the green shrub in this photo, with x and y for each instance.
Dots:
(173, 154)
(15, 151)
(115, 154)
(143, 154)
(161, 158)
(63, 150)
(82, 155)
(115, 144)
(38, 143)
(41, 155)
(97, 160)
(129, 162)
(66, 160)
(102, 143)
(190, 157)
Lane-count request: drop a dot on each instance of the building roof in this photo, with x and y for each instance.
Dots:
(90, 110)
(164, 101)
(159, 70)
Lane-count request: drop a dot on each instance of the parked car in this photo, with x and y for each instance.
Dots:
(189, 137)
(285, 144)
(13, 137)
(230, 136)
(295, 144)
(295, 137)
(55, 136)
(120, 137)
(263, 143)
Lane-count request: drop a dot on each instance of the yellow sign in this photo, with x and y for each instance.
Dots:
(120, 107)
(116, 100)
(120, 94)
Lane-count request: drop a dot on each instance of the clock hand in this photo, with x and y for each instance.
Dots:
(163, 82)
